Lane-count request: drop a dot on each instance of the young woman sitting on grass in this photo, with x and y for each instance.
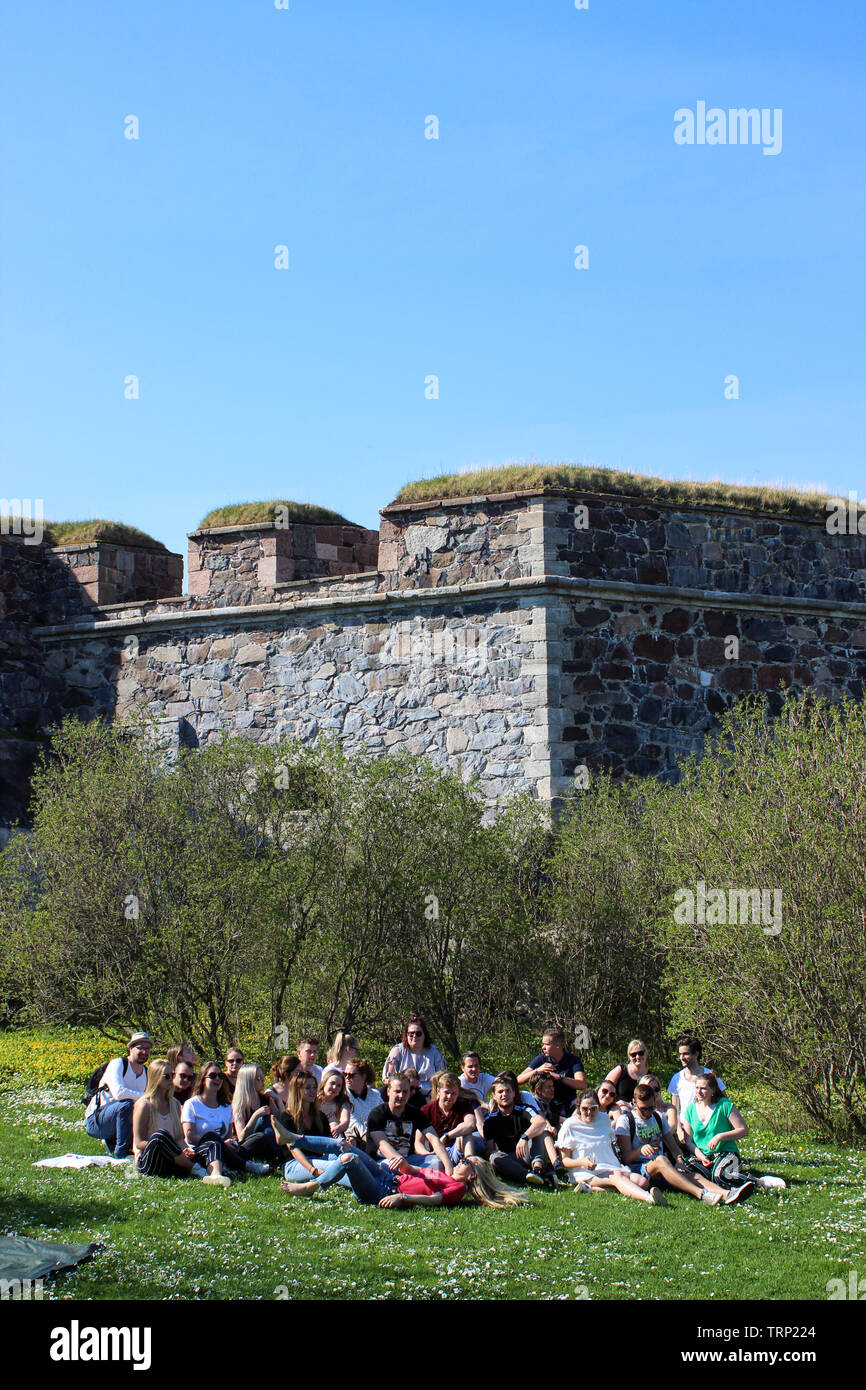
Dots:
(157, 1139)
(207, 1119)
(281, 1074)
(360, 1079)
(304, 1130)
(334, 1102)
(714, 1125)
(252, 1110)
(417, 1052)
(396, 1183)
(585, 1142)
(343, 1050)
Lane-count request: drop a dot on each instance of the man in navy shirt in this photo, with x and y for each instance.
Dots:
(564, 1067)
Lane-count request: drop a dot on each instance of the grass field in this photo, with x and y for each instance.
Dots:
(168, 1239)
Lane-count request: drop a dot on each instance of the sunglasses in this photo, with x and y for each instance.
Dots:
(214, 1076)
(633, 1055)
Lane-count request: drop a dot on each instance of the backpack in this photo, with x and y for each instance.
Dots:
(94, 1085)
(632, 1131)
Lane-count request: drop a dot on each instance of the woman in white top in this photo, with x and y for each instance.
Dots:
(157, 1138)
(585, 1142)
(208, 1122)
(416, 1050)
(364, 1097)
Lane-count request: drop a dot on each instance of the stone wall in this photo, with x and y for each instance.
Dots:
(242, 564)
(521, 637)
(122, 573)
(642, 683)
(460, 679)
(426, 545)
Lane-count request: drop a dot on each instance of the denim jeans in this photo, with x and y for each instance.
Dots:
(370, 1181)
(318, 1146)
(113, 1124)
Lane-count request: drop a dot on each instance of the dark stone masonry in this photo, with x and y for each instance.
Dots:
(523, 636)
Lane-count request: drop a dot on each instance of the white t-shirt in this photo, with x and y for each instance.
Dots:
(589, 1141)
(361, 1108)
(680, 1086)
(646, 1131)
(480, 1087)
(206, 1120)
(119, 1087)
(426, 1063)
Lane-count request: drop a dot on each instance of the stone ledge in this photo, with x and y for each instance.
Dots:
(605, 499)
(530, 585)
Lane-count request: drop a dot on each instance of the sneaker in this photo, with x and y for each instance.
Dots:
(737, 1194)
(769, 1181)
(549, 1181)
(216, 1180)
(657, 1197)
(712, 1199)
(196, 1171)
(535, 1179)
(285, 1136)
(583, 1185)
(259, 1170)
(560, 1177)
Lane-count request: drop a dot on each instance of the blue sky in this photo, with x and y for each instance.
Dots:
(410, 256)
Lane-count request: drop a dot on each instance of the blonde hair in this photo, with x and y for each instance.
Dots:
(149, 1102)
(246, 1098)
(339, 1045)
(488, 1191)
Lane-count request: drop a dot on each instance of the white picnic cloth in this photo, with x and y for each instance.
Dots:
(80, 1161)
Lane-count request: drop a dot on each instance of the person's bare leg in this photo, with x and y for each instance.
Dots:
(622, 1184)
(300, 1189)
(708, 1185)
(663, 1168)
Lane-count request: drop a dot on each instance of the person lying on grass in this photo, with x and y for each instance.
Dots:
(586, 1144)
(397, 1183)
(642, 1133)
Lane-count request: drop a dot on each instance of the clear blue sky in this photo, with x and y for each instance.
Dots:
(411, 256)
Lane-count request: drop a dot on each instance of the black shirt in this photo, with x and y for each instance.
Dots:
(568, 1065)
(399, 1131)
(505, 1130)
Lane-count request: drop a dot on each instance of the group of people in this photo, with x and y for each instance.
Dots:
(425, 1135)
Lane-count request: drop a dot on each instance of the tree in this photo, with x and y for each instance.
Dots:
(776, 983)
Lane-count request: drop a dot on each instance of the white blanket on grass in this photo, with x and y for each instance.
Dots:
(80, 1161)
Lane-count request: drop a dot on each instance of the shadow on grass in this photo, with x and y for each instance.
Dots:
(28, 1210)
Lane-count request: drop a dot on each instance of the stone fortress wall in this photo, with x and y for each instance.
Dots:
(522, 636)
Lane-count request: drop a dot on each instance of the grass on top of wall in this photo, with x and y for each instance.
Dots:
(554, 477)
(97, 529)
(248, 513)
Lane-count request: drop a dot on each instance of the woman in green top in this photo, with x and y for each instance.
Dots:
(713, 1123)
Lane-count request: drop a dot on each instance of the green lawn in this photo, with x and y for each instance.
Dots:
(172, 1239)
